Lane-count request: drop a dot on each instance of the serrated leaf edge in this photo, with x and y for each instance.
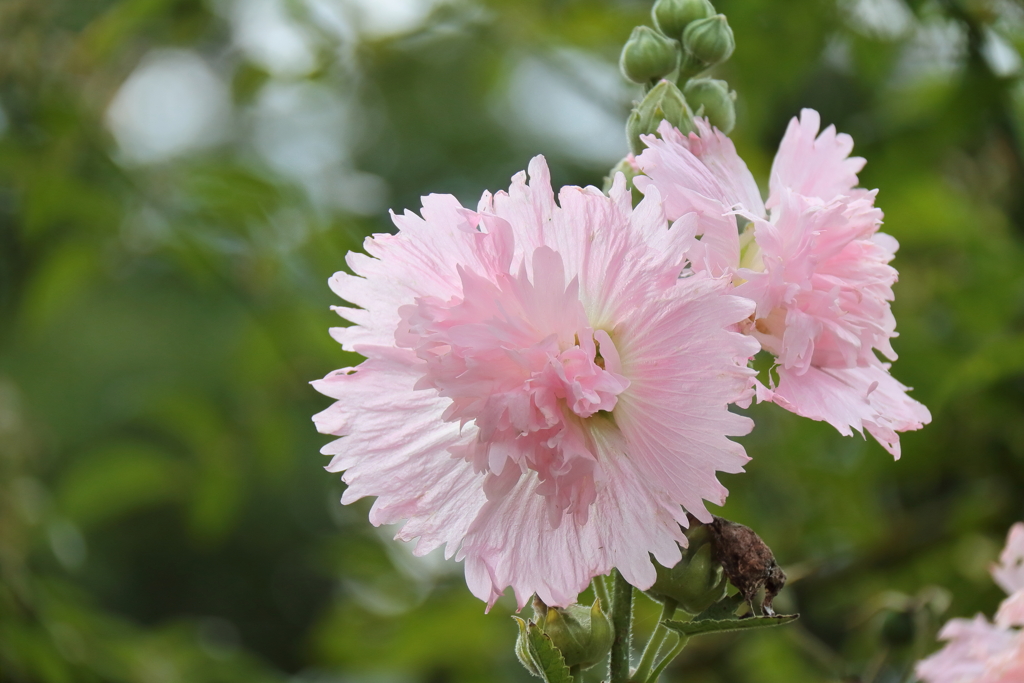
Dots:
(705, 626)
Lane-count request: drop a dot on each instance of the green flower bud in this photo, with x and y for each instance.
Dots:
(672, 16)
(712, 98)
(707, 42)
(664, 102)
(696, 582)
(582, 634)
(648, 55)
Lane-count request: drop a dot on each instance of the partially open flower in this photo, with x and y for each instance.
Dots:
(811, 258)
(542, 393)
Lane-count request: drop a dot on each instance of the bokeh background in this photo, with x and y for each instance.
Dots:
(179, 178)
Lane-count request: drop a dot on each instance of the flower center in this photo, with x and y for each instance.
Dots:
(519, 358)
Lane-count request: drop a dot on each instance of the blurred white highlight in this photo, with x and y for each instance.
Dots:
(268, 36)
(574, 103)
(172, 104)
(303, 131)
(1002, 57)
(881, 19)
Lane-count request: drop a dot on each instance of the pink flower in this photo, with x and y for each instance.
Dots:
(976, 652)
(542, 393)
(811, 259)
(980, 652)
(1009, 572)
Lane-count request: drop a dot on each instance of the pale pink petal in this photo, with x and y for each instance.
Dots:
(416, 262)
(512, 544)
(974, 650)
(814, 165)
(863, 398)
(1011, 611)
(1008, 665)
(675, 426)
(718, 153)
(1009, 572)
(688, 185)
(395, 446)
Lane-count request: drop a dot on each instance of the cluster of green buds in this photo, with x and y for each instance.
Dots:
(689, 38)
(581, 635)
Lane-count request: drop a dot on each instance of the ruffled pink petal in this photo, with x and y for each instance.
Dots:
(619, 254)
(396, 446)
(416, 262)
(718, 154)
(512, 544)
(689, 185)
(1009, 572)
(859, 398)
(814, 165)
(1011, 611)
(976, 652)
(674, 423)
(823, 267)
(1008, 665)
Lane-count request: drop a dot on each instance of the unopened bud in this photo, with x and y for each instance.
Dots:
(648, 55)
(582, 634)
(697, 581)
(665, 102)
(673, 16)
(707, 42)
(712, 98)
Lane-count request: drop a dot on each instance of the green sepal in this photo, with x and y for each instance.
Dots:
(535, 648)
(698, 628)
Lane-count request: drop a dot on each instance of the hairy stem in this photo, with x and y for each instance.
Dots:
(673, 653)
(622, 616)
(650, 655)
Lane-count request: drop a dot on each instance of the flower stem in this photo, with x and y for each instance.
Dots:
(622, 616)
(650, 655)
(673, 653)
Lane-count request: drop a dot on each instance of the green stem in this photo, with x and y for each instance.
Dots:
(601, 591)
(673, 653)
(622, 615)
(643, 669)
(574, 671)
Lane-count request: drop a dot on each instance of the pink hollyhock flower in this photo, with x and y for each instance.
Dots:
(542, 393)
(980, 652)
(812, 260)
(976, 652)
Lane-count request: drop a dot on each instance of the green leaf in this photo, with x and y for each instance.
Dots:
(724, 609)
(697, 628)
(546, 657)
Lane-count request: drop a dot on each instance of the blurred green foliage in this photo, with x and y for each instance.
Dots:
(163, 512)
